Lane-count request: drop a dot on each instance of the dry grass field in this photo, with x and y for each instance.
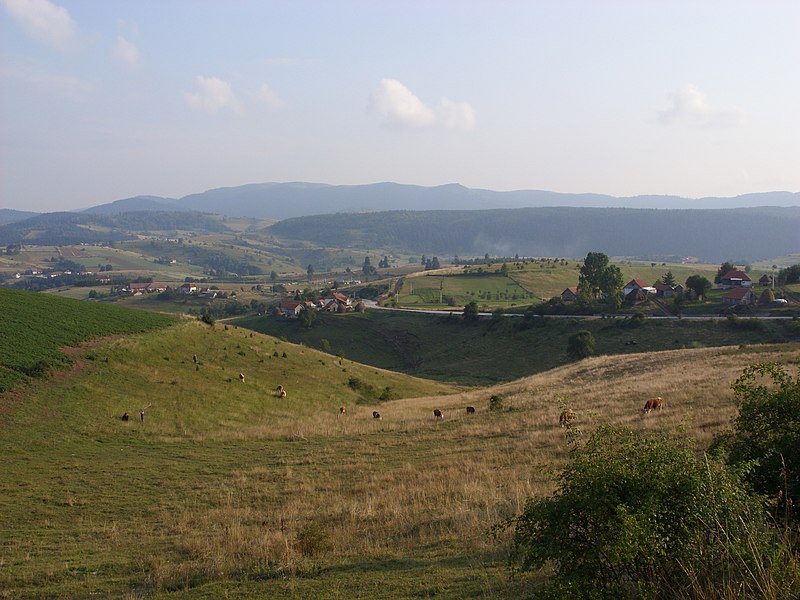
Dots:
(227, 491)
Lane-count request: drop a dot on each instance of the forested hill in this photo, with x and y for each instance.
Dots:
(745, 234)
(74, 228)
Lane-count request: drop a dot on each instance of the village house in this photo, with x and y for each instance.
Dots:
(735, 279)
(739, 296)
(570, 294)
(668, 291)
(188, 288)
(765, 281)
(637, 284)
(290, 309)
(336, 302)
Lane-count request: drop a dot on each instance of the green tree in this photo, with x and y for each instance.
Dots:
(307, 317)
(310, 271)
(471, 312)
(766, 432)
(699, 285)
(723, 270)
(599, 278)
(504, 270)
(642, 516)
(368, 269)
(273, 276)
(668, 279)
(580, 345)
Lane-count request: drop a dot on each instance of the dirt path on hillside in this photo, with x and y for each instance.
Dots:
(77, 364)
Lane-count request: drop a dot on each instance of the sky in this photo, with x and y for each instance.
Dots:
(107, 99)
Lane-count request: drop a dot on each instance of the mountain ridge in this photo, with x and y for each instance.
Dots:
(279, 201)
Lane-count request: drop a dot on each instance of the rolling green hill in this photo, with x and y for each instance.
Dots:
(226, 490)
(34, 328)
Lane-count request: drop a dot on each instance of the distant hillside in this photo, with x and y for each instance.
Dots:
(74, 228)
(745, 234)
(137, 204)
(286, 200)
(9, 215)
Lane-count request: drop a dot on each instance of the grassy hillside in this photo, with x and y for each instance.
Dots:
(35, 327)
(486, 352)
(228, 491)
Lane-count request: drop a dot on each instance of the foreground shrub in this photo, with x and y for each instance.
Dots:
(767, 433)
(639, 516)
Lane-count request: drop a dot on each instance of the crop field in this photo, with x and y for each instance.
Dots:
(226, 490)
(487, 290)
(35, 326)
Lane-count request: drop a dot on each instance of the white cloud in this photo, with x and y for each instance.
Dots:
(212, 96)
(126, 51)
(265, 95)
(455, 115)
(689, 106)
(400, 107)
(44, 21)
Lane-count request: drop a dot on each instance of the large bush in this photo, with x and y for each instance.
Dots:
(767, 432)
(642, 516)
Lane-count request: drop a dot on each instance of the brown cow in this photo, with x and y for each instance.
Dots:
(470, 410)
(342, 410)
(376, 414)
(652, 404)
(279, 389)
(567, 416)
(241, 377)
(437, 414)
(283, 394)
(125, 416)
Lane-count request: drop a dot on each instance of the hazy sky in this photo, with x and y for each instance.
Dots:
(106, 99)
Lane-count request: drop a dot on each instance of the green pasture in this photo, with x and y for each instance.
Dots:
(487, 290)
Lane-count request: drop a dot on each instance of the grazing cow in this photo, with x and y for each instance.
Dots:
(652, 404)
(194, 358)
(470, 410)
(279, 389)
(125, 416)
(342, 410)
(283, 394)
(566, 417)
(376, 414)
(141, 415)
(241, 377)
(437, 414)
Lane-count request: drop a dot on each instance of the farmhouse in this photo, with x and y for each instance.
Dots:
(290, 309)
(735, 279)
(570, 294)
(636, 296)
(765, 281)
(188, 288)
(668, 291)
(739, 296)
(637, 284)
(336, 302)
